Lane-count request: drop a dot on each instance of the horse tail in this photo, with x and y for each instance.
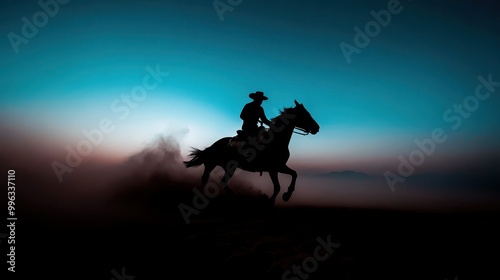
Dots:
(198, 157)
(210, 154)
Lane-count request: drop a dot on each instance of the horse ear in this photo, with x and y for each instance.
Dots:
(296, 103)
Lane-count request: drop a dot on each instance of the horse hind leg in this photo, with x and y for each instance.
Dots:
(206, 173)
(229, 171)
(224, 182)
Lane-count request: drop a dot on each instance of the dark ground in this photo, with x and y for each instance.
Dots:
(242, 238)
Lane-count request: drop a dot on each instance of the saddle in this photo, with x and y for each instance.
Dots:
(240, 139)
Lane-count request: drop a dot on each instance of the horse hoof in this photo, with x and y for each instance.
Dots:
(286, 196)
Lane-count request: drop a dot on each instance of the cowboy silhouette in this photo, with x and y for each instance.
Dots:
(252, 113)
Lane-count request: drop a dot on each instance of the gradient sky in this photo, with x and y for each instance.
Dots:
(396, 90)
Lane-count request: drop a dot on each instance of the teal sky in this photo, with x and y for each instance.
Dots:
(65, 78)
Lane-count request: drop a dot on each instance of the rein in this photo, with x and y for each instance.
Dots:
(304, 132)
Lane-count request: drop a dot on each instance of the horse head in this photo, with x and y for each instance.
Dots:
(303, 119)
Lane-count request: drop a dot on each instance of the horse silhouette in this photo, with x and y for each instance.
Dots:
(266, 152)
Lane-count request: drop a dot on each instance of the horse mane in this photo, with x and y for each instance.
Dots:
(285, 110)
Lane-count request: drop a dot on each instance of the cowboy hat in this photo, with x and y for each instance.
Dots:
(258, 95)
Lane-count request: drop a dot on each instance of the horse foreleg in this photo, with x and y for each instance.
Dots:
(276, 184)
(287, 170)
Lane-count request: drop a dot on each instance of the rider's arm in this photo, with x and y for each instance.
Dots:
(263, 117)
